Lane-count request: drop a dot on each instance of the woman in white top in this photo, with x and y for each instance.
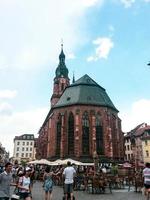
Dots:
(24, 185)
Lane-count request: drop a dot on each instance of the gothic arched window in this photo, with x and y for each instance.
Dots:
(99, 136)
(71, 134)
(58, 135)
(85, 134)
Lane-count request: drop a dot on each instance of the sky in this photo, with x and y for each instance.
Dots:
(107, 39)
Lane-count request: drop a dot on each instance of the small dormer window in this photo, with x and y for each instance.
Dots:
(68, 98)
(88, 80)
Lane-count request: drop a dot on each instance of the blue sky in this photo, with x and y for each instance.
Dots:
(106, 39)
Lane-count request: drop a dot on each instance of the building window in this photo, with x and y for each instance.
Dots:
(26, 155)
(58, 139)
(23, 143)
(85, 133)
(128, 147)
(22, 155)
(99, 136)
(17, 155)
(30, 155)
(128, 156)
(22, 148)
(17, 148)
(18, 143)
(71, 134)
(146, 143)
(27, 143)
(27, 149)
(30, 143)
(147, 153)
(30, 148)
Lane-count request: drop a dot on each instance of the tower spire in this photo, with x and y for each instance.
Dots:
(61, 70)
(73, 79)
(61, 80)
(61, 44)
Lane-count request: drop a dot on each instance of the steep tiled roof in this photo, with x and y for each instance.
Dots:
(85, 91)
(24, 137)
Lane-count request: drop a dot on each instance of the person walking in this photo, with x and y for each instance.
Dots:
(48, 183)
(146, 176)
(5, 182)
(68, 174)
(24, 185)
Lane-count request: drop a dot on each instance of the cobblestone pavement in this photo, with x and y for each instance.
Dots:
(123, 194)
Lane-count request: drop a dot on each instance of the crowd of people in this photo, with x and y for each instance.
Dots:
(22, 178)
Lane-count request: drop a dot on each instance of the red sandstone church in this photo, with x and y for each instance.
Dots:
(82, 121)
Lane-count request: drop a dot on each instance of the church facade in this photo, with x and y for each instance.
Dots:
(82, 122)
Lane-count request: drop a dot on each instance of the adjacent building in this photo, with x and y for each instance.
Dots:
(24, 147)
(137, 144)
(4, 155)
(82, 122)
(146, 145)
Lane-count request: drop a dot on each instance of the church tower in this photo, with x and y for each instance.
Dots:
(61, 80)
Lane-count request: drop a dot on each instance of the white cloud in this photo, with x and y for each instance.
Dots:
(5, 109)
(70, 56)
(36, 29)
(20, 123)
(8, 94)
(90, 58)
(127, 3)
(104, 45)
(139, 113)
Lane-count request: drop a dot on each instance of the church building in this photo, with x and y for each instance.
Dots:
(82, 122)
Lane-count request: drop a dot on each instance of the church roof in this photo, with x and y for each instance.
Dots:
(85, 91)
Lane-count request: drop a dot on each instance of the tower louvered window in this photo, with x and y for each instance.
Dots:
(58, 138)
(99, 136)
(71, 134)
(85, 134)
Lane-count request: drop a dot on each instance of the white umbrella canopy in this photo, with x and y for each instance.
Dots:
(57, 162)
(60, 162)
(41, 162)
(64, 162)
(33, 162)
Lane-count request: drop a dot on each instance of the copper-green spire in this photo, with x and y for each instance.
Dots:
(62, 70)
